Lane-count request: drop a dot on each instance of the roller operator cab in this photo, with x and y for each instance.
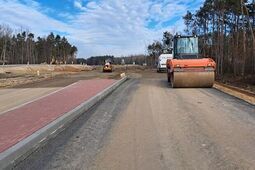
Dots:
(187, 69)
(161, 66)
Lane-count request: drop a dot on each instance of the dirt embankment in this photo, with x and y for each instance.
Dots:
(246, 83)
(14, 75)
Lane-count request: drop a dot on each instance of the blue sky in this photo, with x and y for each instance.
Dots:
(99, 27)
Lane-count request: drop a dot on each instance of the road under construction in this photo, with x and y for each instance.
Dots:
(146, 124)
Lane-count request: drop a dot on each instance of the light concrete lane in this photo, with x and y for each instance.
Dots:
(10, 98)
(165, 128)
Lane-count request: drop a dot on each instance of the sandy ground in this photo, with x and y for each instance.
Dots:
(15, 75)
(32, 69)
(145, 124)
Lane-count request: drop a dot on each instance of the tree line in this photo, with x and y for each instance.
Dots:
(24, 48)
(99, 60)
(226, 33)
(159, 47)
(226, 29)
(139, 59)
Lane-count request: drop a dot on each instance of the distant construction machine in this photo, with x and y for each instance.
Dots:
(187, 69)
(108, 66)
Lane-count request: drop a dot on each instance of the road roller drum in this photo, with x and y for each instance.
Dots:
(192, 79)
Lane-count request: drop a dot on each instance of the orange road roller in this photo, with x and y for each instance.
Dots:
(187, 69)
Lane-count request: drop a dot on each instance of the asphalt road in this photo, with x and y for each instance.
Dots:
(145, 124)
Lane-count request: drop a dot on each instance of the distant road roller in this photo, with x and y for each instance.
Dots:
(107, 67)
(187, 69)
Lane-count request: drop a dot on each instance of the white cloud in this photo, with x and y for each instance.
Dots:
(22, 16)
(116, 27)
(78, 4)
(92, 5)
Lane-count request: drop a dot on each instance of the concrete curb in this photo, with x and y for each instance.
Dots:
(10, 157)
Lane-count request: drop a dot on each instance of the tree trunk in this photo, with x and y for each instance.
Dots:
(244, 40)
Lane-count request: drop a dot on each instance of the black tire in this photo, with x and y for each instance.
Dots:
(172, 80)
(168, 79)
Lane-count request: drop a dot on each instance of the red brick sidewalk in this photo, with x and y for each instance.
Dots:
(16, 125)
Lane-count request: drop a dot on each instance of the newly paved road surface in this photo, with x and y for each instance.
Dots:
(146, 125)
(16, 96)
(19, 123)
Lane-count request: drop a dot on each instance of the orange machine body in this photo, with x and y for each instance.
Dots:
(193, 65)
(191, 72)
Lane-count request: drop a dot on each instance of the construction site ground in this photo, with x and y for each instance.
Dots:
(145, 124)
(16, 75)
